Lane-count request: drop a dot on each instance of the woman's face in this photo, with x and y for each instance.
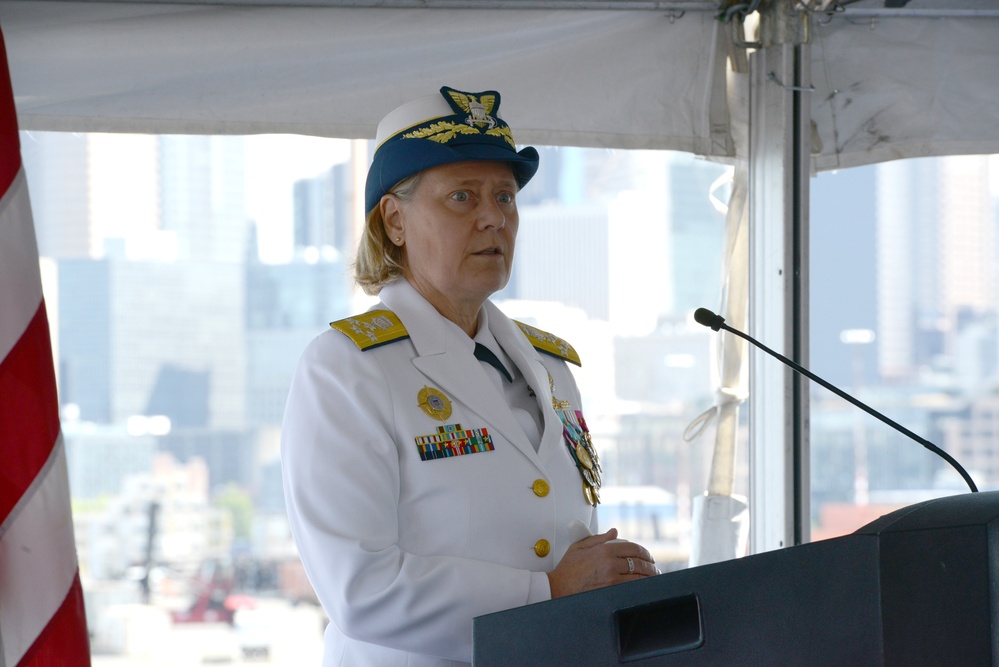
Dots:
(458, 231)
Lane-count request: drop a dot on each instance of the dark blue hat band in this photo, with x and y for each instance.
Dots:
(455, 127)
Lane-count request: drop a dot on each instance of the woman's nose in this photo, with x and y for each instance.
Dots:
(492, 215)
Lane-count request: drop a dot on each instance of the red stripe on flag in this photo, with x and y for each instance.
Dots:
(29, 411)
(29, 430)
(64, 640)
(10, 142)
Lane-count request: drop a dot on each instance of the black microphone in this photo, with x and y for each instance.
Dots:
(715, 322)
(709, 319)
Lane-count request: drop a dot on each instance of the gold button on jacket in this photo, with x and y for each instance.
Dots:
(542, 548)
(541, 488)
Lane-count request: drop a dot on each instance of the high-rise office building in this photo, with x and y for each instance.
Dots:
(842, 260)
(55, 164)
(697, 231)
(202, 196)
(128, 348)
(936, 258)
(137, 196)
(314, 211)
(324, 208)
(99, 457)
(971, 439)
(287, 306)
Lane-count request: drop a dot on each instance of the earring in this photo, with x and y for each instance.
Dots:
(398, 240)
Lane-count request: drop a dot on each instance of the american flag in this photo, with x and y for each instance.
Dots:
(42, 618)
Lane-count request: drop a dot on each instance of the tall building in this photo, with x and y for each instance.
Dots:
(55, 164)
(127, 346)
(842, 230)
(631, 257)
(202, 195)
(100, 457)
(971, 439)
(324, 210)
(137, 196)
(891, 460)
(966, 237)
(936, 258)
(287, 306)
(697, 232)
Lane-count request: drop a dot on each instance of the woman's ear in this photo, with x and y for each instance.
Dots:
(389, 206)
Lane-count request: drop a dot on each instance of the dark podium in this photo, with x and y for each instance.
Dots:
(919, 586)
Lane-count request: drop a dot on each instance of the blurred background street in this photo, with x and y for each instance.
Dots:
(274, 632)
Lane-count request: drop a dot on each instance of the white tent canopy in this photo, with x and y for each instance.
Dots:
(335, 71)
(889, 83)
(828, 85)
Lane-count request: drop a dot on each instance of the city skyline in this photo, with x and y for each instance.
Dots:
(206, 170)
(616, 249)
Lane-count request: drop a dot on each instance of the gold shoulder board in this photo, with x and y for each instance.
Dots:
(371, 329)
(549, 344)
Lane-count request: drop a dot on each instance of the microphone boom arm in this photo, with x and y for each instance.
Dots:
(720, 324)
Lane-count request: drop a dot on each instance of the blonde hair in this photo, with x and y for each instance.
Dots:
(379, 261)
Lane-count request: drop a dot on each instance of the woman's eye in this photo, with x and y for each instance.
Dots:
(460, 196)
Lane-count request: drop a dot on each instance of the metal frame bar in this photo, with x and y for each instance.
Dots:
(778, 268)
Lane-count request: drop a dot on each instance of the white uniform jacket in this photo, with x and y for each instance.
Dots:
(404, 552)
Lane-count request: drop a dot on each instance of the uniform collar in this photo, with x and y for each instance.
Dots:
(431, 332)
(440, 343)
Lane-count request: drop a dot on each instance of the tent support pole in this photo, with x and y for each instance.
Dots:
(779, 131)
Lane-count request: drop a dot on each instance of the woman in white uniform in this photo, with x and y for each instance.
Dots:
(437, 465)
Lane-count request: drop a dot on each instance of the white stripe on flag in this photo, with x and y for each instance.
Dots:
(20, 280)
(37, 557)
(41, 607)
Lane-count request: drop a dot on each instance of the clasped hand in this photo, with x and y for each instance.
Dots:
(598, 561)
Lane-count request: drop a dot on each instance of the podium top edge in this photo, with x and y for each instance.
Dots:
(964, 509)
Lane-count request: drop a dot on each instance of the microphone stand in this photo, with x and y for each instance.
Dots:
(715, 322)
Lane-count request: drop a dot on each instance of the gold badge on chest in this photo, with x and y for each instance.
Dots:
(434, 403)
